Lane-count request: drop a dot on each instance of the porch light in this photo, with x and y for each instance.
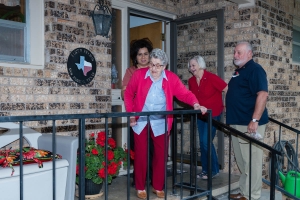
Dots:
(101, 18)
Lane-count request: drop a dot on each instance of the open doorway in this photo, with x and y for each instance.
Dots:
(143, 27)
(131, 21)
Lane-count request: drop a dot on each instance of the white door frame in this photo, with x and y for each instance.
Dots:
(124, 6)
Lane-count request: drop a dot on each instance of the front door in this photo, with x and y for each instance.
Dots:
(203, 35)
(198, 34)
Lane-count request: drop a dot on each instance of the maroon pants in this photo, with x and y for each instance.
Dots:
(140, 160)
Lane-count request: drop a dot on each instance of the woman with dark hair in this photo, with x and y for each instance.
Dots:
(140, 56)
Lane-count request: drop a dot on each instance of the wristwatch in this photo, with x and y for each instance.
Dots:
(255, 120)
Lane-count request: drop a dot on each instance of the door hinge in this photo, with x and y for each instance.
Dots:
(163, 37)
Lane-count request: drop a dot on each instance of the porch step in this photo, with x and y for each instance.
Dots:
(265, 195)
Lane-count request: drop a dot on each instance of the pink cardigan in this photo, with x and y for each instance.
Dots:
(138, 87)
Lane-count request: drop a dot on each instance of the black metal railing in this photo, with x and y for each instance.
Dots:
(193, 160)
(287, 161)
(81, 128)
(181, 182)
(272, 152)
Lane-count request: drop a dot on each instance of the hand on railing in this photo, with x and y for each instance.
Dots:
(132, 121)
(201, 108)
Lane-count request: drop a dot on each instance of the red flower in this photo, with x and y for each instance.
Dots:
(101, 143)
(131, 154)
(112, 168)
(101, 173)
(92, 135)
(110, 155)
(77, 169)
(111, 142)
(95, 151)
(101, 136)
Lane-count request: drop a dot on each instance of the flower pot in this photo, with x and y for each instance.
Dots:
(92, 188)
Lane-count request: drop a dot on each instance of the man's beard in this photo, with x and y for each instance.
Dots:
(237, 62)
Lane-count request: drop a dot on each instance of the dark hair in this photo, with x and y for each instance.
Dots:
(136, 45)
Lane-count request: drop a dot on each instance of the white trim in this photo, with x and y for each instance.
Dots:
(244, 3)
(137, 6)
(123, 6)
(296, 21)
(124, 45)
(36, 39)
(296, 25)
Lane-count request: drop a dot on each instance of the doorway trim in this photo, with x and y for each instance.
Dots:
(127, 8)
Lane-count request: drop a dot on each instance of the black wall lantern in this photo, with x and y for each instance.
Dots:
(101, 18)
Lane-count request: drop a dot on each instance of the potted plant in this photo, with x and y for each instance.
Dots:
(95, 159)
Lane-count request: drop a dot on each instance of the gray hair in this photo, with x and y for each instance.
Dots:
(199, 60)
(248, 45)
(159, 54)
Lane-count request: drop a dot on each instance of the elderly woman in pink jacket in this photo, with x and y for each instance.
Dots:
(153, 89)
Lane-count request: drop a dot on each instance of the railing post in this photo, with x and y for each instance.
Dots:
(209, 143)
(193, 159)
(174, 154)
(54, 160)
(229, 166)
(272, 178)
(250, 168)
(21, 160)
(81, 159)
(106, 159)
(128, 156)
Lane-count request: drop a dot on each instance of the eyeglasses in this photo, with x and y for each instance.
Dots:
(157, 66)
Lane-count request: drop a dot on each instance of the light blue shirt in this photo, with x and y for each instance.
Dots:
(155, 101)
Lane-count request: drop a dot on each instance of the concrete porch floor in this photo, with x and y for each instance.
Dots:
(118, 188)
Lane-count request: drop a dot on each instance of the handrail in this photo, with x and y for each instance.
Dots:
(282, 145)
(273, 152)
(90, 115)
(229, 130)
(284, 125)
(81, 129)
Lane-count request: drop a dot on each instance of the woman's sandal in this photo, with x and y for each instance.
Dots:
(202, 175)
(141, 194)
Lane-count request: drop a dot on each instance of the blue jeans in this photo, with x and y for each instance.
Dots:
(203, 135)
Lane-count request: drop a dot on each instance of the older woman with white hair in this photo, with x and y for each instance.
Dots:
(153, 89)
(208, 89)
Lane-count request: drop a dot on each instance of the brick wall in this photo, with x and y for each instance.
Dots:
(51, 90)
